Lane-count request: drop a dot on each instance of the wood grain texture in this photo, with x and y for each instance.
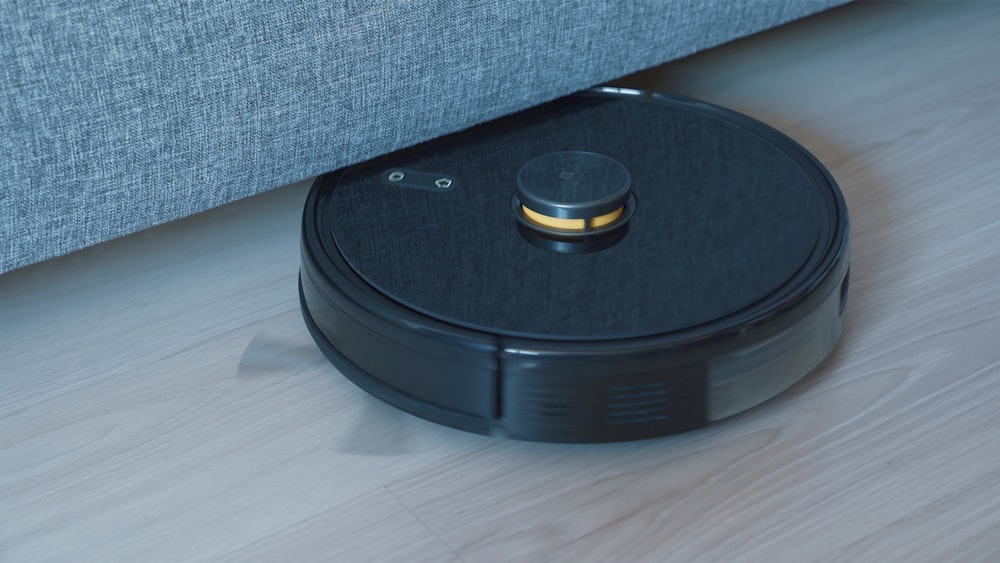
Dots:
(160, 398)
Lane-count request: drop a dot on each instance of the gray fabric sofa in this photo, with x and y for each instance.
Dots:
(119, 115)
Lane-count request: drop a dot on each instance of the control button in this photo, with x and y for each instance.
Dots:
(437, 181)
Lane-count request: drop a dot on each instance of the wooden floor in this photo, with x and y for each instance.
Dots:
(160, 398)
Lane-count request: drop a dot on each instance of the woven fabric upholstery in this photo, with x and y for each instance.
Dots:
(119, 115)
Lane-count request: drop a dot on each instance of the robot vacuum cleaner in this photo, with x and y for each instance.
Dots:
(613, 265)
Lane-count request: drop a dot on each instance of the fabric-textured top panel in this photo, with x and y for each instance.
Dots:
(117, 115)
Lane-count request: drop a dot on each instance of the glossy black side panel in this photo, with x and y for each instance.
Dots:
(447, 382)
(596, 398)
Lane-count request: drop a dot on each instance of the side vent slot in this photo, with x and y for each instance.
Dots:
(636, 404)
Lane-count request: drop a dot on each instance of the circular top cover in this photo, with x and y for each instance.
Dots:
(573, 184)
(731, 218)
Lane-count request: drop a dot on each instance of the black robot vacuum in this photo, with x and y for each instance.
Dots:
(613, 265)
